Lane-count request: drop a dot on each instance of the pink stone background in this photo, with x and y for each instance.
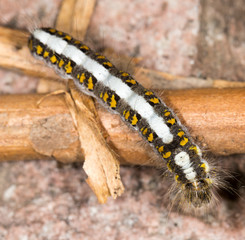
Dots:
(159, 30)
(39, 200)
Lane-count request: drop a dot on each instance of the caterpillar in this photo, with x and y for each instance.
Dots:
(95, 75)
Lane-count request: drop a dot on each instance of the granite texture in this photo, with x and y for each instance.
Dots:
(40, 200)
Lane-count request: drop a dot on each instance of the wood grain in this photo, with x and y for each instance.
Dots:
(47, 132)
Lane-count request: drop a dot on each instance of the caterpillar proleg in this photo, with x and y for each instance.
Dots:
(95, 75)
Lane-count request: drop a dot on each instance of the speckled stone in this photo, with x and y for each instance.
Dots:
(162, 33)
(38, 200)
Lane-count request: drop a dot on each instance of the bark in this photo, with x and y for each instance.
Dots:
(47, 131)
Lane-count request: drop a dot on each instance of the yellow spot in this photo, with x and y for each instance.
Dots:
(127, 114)
(90, 84)
(52, 30)
(184, 141)
(209, 181)
(39, 49)
(46, 54)
(60, 33)
(30, 44)
(113, 101)
(101, 57)
(77, 42)
(68, 67)
(176, 178)
(166, 114)
(61, 63)
(168, 166)
(134, 120)
(171, 121)
(167, 155)
(203, 166)
(180, 134)
(160, 149)
(82, 78)
(124, 74)
(107, 64)
(145, 131)
(150, 137)
(148, 93)
(53, 59)
(67, 37)
(194, 148)
(154, 100)
(105, 96)
(132, 81)
(101, 95)
(84, 47)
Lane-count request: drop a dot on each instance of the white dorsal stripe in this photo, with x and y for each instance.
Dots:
(188, 170)
(157, 123)
(190, 173)
(41, 35)
(59, 46)
(70, 52)
(191, 176)
(135, 101)
(182, 159)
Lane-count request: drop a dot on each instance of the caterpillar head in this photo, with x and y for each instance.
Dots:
(194, 188)
(198, 193)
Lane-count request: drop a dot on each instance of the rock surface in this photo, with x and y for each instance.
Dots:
(39, 200)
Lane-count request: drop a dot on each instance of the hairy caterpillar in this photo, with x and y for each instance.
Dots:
(95, 75)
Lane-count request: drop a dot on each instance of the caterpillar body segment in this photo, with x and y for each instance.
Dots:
(95, 75)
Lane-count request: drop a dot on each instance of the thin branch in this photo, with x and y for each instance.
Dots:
(215, 115)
